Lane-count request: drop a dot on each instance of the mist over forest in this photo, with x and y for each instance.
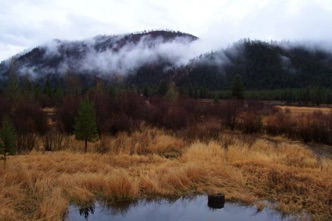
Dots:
(147, 60)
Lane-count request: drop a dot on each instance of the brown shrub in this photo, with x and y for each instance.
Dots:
(27, 142)
(230, 110)
(279, 124)
(313, 128)
(249, 122)
(28, 117)
(121, 122)
(203, 130)
(102, 103)
(175, 118)
(66, 112)
(54, 140)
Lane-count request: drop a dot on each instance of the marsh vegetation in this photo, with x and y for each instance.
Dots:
(153, 163)
(152, 147)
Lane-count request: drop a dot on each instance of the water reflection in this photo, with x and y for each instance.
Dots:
(185, 209)
(85, 211)
(118, 208)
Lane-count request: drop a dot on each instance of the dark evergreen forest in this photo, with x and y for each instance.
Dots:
(269, 71)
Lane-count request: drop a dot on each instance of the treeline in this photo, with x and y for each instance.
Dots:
(74, 84)
(269, 71)
(264, 67)
(50, 118)
(309, 96)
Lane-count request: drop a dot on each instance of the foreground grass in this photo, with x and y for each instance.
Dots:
(40, 186)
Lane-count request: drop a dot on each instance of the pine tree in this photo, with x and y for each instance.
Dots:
(85, 127)
(8, 138)
(237, 88)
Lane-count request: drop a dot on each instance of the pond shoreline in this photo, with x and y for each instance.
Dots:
(183, 208)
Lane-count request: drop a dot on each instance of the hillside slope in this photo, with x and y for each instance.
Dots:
(149, 59)
(102, 56)
(261, 65)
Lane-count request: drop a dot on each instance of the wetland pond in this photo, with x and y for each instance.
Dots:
(184, 209)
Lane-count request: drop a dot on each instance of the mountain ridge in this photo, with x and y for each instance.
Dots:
(147, 59)
(62, 56)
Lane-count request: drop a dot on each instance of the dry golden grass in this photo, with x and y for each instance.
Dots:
(40, 186)
(295, 110)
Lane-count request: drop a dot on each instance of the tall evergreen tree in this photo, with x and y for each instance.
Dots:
(85, 127)
(8, 138)
(237, 88)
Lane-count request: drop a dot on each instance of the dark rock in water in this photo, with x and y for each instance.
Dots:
(216, 201)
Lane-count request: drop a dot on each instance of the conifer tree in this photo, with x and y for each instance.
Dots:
(8, 138)
(237, 88)
(85, 127)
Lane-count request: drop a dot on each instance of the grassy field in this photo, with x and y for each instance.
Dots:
(297, 110)
(151, 163)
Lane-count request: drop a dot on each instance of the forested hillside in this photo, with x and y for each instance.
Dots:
(153, 62)
(263, 67)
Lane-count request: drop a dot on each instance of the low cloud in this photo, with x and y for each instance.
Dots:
(111, 58)
(106, 56)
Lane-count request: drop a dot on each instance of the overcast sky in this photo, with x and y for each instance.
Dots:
(28, 23)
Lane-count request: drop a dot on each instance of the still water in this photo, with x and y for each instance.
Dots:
(184, 209)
